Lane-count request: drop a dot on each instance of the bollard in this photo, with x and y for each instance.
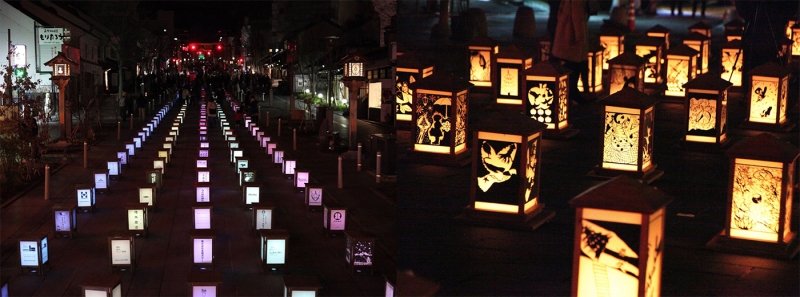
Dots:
(359, 156)
(267, 118)
(294, 139)
(270, 97)
(279, 127)
(46, 181)
(119, 129)
(340, 173)
(262, 97)
(131, 121)
(85, 155)
(378, 168)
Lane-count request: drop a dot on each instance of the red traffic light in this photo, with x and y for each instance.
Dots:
(194, 47)
(219, 47)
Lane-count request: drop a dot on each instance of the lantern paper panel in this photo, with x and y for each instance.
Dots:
(146, 196)
(480, 67)
(509, 80)
(795, 40)
(461, 122)
(275, 251)
(764, 100)
(613, 48)
(541, 100)
(531, 188)
(121, 252)
(362, 253)
(136, 219)
(755, 204)
(264, 219)
(608, 265)
(783, 99)
(619, 76)
(595, 77)
(731, 60)
(248, 176)
(404, 95)
(678, 74)
(621, 139)
(434, 124)
(703, 124)
(497, 177)
(655, 249)
(204, 291)
(652, 71)
(203, 248)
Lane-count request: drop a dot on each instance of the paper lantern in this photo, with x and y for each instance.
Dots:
(301, 177)
(86, 196)
(734, 30)
(760, 193)
(680, 69)
(702, 44)
(701, 27)
(301, 286)
(510, 66)
(614, 42)
(147, 194)
(262, 215)
(440, 115)
(334, 218)
(732, 58)
(408, 70)
(176, 130)
(659, 31)
(121, 251)
(201, 216)
(482, 55)
(277, 157)
(359, 251)
(789, 25)
(653, 50)
(274, 248)
(547, 95)
(263, 140)
(391, 283)
(619, 239)
(203, 192)
(545, 45)
(142, 137)
(123, 158)
(313, 196)
(627, 140)
(202, 153)
(131, 148)
(167, 146)
(288, 167)
(204, 283)
(66, 219)
(236, 153)
(270, 147)
(250, 193)
(255, 131)
(33, 252)
(595, 77)
(353, 65)
(101, 179)
(160, 164)
(796, 40)
(102, 285)
(767, 100)
(154, 177)
(203, 175)
(707, 110)
(203, 248)
(204, 144)
(626, 69)
(241, 163)
(138, 222)
(114, 168)
(506, 171)
(247, 176)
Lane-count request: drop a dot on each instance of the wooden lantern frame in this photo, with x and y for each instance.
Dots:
(199, 186)
(204, 279)
(92, 196)
(481, 46)
(257, 211)
(246, 187)
(445, 89)
(621, 70)
(153, 191)
(201, 178)
(702, 44)
(659, 31)
(706, 110)
(614, 42)
(329, 210)
(42, 258)
(653, 66)
(119, 237)
(732, 59)
(205, 234)
(246, 172)
(305, 283)
(734, 30)
(409, 70)
(543, 81)
(595, 76)
(352, 240)
(681, 61)
(267, 235)
(313, 194)
(71, 220)
(203, 207)
(763, 81)
(510, 67)
(134, 226)
(111, 284)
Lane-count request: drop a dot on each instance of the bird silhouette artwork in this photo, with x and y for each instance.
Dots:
(498, 163)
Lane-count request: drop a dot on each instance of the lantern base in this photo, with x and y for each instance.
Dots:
(123, 268)
(273, 268)
(646, 177)
(704, 146)
(458, 160)
(560, 134)
(527, 222)
(785, 127)
(724, 243)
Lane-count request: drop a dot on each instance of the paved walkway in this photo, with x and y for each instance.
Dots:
(163, 258)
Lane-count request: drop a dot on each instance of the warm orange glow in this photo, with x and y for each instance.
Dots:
(611, 43)
(655, 248)
(509, 101)
(755, 201)
(480, 67)
(621, 140)
(601, 273)
(509, 82)
(732, 59)
(763, 99)
(677, 75)
(499, 137)
(432, 148)
(618, 75)
(613, 216)
(531, 204)
(651, 71)
(496, 207)
(702, 47)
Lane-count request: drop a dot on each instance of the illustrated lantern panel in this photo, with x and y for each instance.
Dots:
(509, 81)
(202, 217)
(123, 157)
(547, 100)
(203, 193)
(655, 248)
(595, 77)
(764, 100)
(703, 124)
(434, 131)
(621, 140)
(480, 67)
(137, 219)
(701, 46)
(795, 40)
(263, 218)
(121, 251)
(354, 69)
(731, 61)
(620, 74)
(531, 170)
(404, 95)
(498, 182)
(614, 47)
(652, 69)
(461, 122)
(146, 195)
(756, 200)
(608, 264)
(275, 253)
(679, 71)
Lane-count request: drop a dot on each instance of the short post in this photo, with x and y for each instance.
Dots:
(85, 155)
(267, 118)
(262, 97)
(270, 97)
(131, 121)
(378, 168)
(46, 181)
(279, 127)
(294, 139)
(359, 156)
(340, 173)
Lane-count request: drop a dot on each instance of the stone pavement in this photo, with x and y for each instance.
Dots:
(163, 258)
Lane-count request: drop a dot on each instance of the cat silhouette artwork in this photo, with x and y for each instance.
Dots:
(766, 112)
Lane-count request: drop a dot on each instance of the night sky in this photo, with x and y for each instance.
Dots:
(204, 18)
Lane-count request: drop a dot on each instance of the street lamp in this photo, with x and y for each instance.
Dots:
(61, 73)
(354, 79)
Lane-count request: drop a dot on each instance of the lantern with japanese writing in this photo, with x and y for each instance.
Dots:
(707, 109)
(619, 239)
(702, 44)
(409, 70)
(440, 115)
(511, 63)
(624, 70)
(680, 69)
(613, 41)
(204, 283)
(482, 54)
(767, 98)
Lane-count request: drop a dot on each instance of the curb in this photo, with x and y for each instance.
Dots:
(29, 188)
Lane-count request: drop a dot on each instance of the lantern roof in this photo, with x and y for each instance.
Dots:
(658, 29)
(765, 147)
(708, 81)
(509, 122)
(409, 60)
(736, 43)
(622, 193)
(696, 36)
(547, 68)
(596, 47)
(61, 58)
(653, 41)
(482, 41)
(353, 57)
(628, 58)
(735, 23)
(770, 69)
(700, 25)
(682, 50)
(442, 82)
(610, 30)
(629, 97)
(511, 52)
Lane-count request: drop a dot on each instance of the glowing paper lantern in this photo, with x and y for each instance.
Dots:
(241, 163)
(707, 109)
(204, 283)
(547, 96)
(274, 248)
(409, 70)
(203, 192)
(203, 175)
(359, 251)
(121, 251)
(131, 148)
(262, 215)
(247, 176)
(510, 66)
(482, 55)
(160, 163)
(123, 158)
(732, 58)
(653, 49)
(147, 195)
(767, 94)
(440, 115)
(595, 77)
(203, 248)
(300, 286)
(796, 40)
(164, 154)
(619, 239)
(760, 192)
(626, 69)
(627, 140)
(154, 177)
(114, 168)
(506, 172)
(102, 285)
(313, 196)
(66, 219)
(334, 218)
(701, 27)
(613, 41)
(702, 44)
(681, 65)
(288, 167)
(301, 177)
(101, 179)
(734, 30)
(86, 196)
(659, 31)
(33, 252)
(202, 162)
(138, 222)
(250, 193)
